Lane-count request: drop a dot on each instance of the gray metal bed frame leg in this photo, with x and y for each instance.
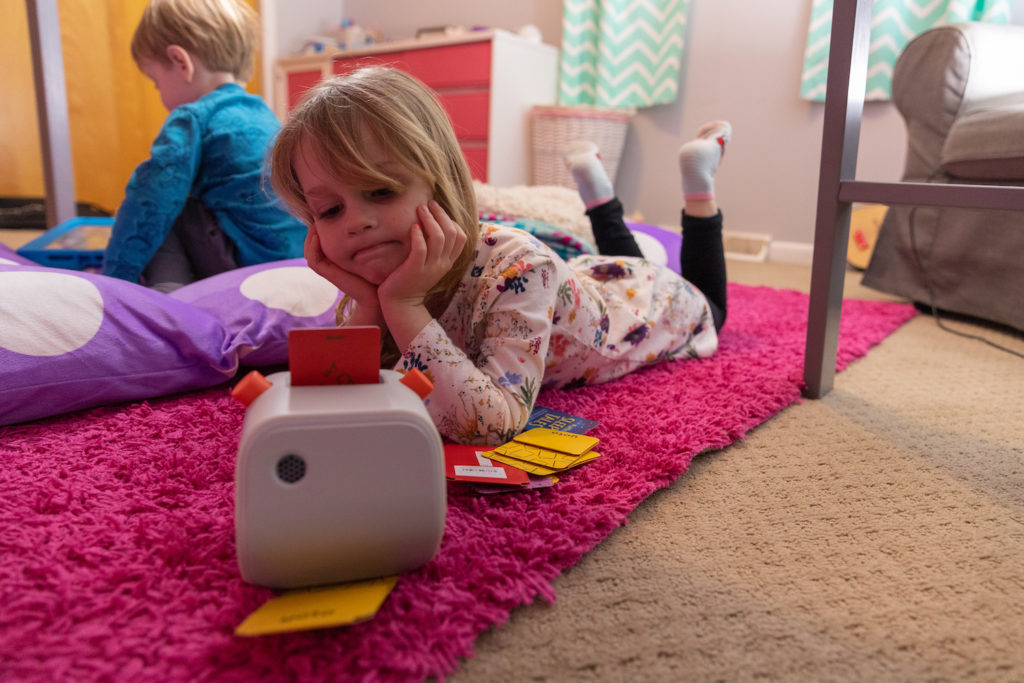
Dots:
(52, 108)
(838, 189)
(844, 104)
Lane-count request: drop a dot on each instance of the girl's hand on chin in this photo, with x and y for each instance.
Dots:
(362, 292)
(435, 243)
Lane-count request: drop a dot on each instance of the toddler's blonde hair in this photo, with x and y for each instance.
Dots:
(404, 118)
(222, 34)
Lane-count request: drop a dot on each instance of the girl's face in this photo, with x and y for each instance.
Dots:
(362, 230)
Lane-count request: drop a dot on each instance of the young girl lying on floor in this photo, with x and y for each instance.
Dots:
(370, 163)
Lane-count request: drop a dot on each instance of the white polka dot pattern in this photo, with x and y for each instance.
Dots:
(48, 314)
(295, 290)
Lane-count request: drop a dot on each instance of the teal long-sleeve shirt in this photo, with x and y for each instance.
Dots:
(214, 150)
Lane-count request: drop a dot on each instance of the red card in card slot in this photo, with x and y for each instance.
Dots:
(334, 355)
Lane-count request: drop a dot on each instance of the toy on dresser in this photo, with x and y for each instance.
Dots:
(340, 473)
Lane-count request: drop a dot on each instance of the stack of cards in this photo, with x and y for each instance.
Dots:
(546, 451)
(529, 460)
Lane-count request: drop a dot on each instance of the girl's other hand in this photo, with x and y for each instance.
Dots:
(435, 243)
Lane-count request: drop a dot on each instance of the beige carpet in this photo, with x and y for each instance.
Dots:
(874, 535)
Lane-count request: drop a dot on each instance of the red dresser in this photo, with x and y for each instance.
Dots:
(487, 81)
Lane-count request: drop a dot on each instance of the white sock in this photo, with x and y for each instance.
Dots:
(584, 162)
(699, 159)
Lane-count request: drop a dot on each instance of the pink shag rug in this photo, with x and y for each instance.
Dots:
(117, 557)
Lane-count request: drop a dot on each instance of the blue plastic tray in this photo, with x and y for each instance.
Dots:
(76, 244)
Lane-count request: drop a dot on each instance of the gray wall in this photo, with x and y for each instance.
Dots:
(743, 62)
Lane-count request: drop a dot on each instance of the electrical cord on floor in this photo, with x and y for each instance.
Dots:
(931, 294)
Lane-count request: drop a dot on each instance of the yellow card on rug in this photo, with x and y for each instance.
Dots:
(586, 457)
(520, 464)
(544, 457)
(321, 607)
(534, 468)
(563, 442)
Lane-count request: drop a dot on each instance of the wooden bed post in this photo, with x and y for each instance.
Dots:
(52, 108)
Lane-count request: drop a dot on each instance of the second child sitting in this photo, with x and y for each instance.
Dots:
(200, 204)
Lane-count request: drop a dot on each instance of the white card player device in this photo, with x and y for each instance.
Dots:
(337, 483)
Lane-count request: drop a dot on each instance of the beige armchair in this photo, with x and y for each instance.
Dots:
(960, 90)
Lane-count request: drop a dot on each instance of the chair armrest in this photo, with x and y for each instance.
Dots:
(948, 72)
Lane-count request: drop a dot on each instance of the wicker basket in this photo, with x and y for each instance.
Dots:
(555, 127)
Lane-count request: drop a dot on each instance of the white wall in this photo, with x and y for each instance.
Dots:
(286, 24)
(399, 19)
(300, 19)
(743, 61)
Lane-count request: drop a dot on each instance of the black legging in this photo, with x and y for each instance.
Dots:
(701, 258)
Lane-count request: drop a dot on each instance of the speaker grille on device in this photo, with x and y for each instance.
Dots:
(291, 468)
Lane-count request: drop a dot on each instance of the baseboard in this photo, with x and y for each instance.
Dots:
(754, 246)
(746, 246)
(800, 253)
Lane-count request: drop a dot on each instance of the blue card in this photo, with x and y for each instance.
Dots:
(559, 421)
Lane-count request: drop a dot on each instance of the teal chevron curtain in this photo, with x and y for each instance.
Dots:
(621, 53)
(894, 23)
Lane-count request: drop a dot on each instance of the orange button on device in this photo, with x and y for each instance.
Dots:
(250, 387)
(418, 382)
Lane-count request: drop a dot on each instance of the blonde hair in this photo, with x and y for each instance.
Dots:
(222, 34)
(404, 118)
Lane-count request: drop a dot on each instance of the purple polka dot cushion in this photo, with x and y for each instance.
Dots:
(72, 340)
(260, 304)
(658, 245)
(10, 257)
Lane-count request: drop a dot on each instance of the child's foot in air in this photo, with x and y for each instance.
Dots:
(698, 163)
(699, 159)
(584, 162)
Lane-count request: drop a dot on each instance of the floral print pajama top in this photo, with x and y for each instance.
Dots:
(523, 319)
